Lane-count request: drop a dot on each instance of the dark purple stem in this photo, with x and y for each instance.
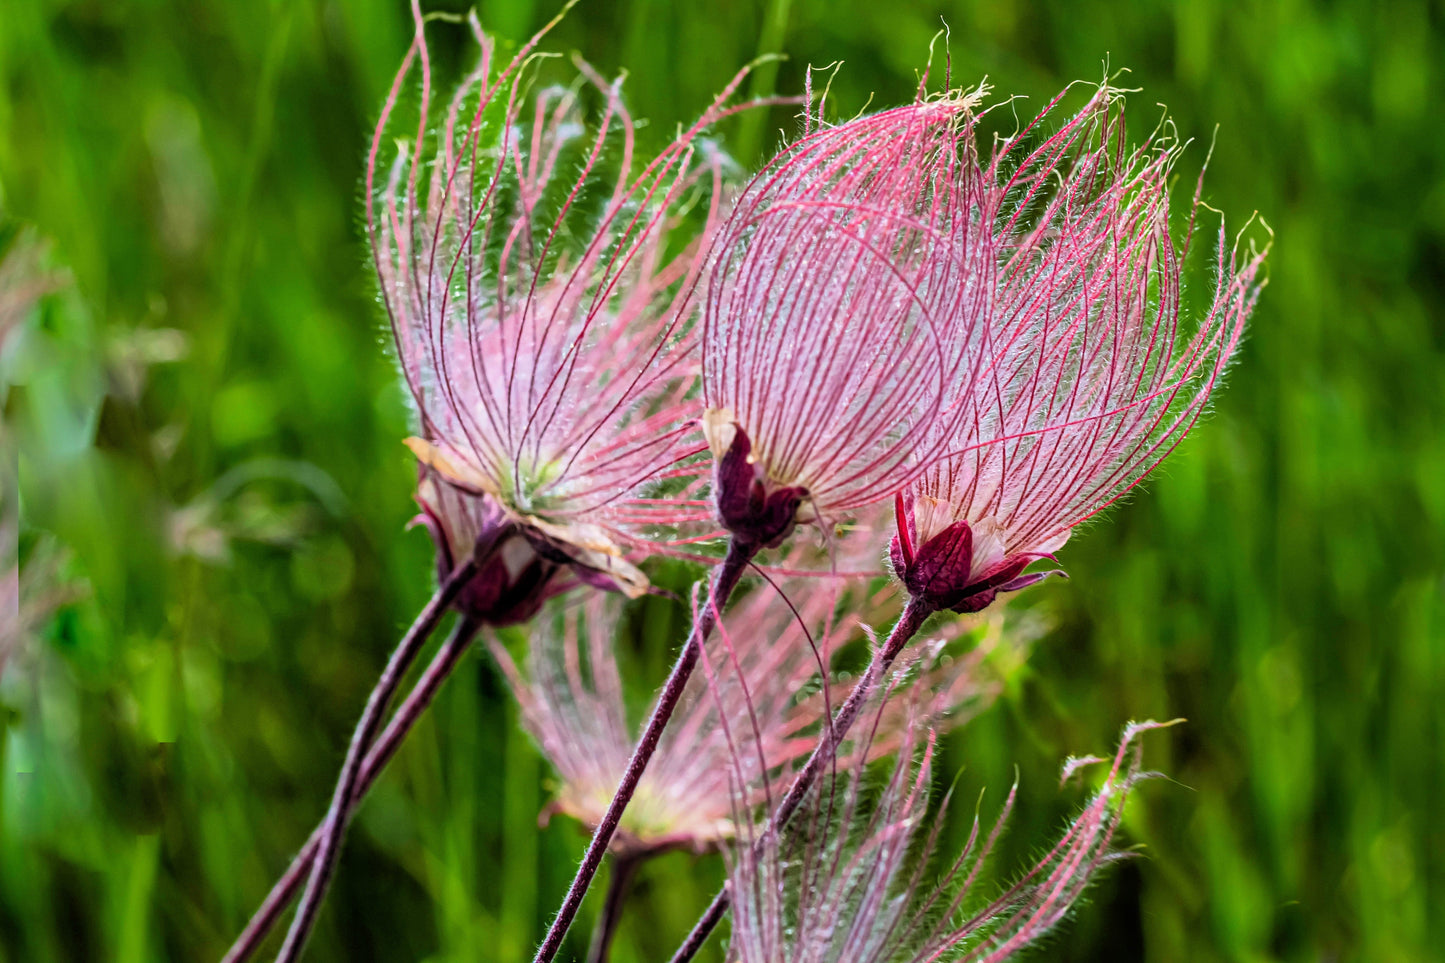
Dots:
(334, 829)
(703, 928)
(725, 579)
(912, 619)
(386, 746)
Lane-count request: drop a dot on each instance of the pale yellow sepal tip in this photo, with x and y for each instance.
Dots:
(436, 459)
(719, 428)
(588, 543)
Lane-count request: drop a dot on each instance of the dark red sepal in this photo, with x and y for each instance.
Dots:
(1033, 578)
(753, 512)
(498, 598)
(941, 572)
(494, 596)
(940, 566)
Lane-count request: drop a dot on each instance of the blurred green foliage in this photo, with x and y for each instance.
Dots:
(209, 429)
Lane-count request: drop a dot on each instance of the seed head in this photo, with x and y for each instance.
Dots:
(848, 878)
(1092, 366)
(572, 698)
(540, 304)
(761, 687)
(831, 332)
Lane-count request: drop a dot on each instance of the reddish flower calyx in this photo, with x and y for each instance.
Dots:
(512, 579)
(519, 566)
(963, 567)
(754, 509)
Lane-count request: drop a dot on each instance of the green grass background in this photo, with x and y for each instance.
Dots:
(236, 513)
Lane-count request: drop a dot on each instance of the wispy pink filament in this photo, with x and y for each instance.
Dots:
(541, 326)
(1095, 366)
(831, 328)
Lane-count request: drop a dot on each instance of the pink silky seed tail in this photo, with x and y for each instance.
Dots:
(1093, 366)
(837, 315)
(545, 345)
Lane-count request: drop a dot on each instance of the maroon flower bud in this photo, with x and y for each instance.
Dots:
(956, 569)
(513, 579)
(756, 511)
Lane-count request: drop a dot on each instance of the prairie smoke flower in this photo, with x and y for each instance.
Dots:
(831, 329)
(539, 304)
(760, 677)
(845, 881)
(1094, 368)
(572, 702)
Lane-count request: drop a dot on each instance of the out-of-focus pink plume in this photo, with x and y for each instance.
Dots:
(751, 715)
(852, 876)
(572, 700)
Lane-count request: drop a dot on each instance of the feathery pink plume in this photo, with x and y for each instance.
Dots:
(836, 318)
(846, 880)
(540, 305)
(1093, 369)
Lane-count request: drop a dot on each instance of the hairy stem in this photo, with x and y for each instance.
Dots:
(725, 579)
(912, 619)
(323, 864)
(703, 928)
(416, 703)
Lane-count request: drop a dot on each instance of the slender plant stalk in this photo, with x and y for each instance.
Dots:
(334, 829)
(912, 619)
(725, 579)
(706, 923)
(387, 743)
(624, 869)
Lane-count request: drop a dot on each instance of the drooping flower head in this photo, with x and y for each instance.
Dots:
(539, 300)
(761, 674)
(836, 317)
(1094, 368)
(572, 698)
(847, 879)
